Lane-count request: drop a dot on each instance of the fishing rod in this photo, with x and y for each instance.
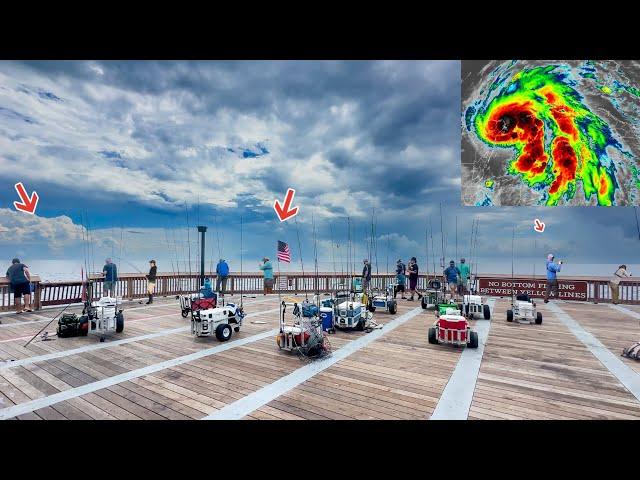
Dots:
(315, 259)
(333, 257)
(513, 242)
(166, 239)
(43, 328)
(175, 248)
(241, 277)
(442, 262)
(186, 210)
(433, 252)
(426, 247)
(456, 238)
(375, 240)
(306, 295)
(388, 246)
(349, 269)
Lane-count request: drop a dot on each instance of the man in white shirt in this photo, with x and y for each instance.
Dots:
(614, 283)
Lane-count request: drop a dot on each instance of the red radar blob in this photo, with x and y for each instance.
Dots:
(565, 163)
(516, 122)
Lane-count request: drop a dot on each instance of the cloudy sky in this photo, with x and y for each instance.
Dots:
(126, 145)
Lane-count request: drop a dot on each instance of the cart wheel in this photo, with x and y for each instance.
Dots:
(509, 315)
(223, 332)
(393, 308)
(360, 325)
(538, 318)
(473, 340)
(487, 312)
(433, 338)
(236, 329)
(185, 313)
(119, 322)
(423, 302)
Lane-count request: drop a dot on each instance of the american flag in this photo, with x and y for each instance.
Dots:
(284, 254)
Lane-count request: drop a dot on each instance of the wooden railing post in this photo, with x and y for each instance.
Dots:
(37, 300)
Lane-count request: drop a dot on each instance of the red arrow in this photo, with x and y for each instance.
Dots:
(538, 226)
(27, 205)
(284, 212)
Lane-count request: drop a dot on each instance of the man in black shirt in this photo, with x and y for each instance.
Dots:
(413, 278)
(19, 281)
(366, 275)
(151, 280)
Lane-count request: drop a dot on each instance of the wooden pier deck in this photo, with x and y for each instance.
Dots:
(567, 368)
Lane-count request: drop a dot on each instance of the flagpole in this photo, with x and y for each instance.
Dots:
(279, 295)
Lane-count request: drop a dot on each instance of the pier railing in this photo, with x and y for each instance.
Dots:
(133, 286)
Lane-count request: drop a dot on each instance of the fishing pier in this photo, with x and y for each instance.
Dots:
(131, 286)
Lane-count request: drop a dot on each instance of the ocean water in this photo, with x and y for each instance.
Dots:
(66, 270)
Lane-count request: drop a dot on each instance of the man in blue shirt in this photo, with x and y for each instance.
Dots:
(552, 280)
(267, 270)
(451, 275)
(222, 273)
(110, 274)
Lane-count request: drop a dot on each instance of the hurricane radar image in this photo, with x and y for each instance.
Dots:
(555, 133)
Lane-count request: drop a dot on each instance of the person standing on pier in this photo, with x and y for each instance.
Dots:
(151, 280)
(401, 278)
(110, 274)
(19, 280)
(222, 273)
(552, 277)
(614, 283)
(451, 274)
(267, 270)
(463, 279)
(413, 278)
(366, 275)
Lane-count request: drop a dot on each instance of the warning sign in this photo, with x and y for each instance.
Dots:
(568, 289)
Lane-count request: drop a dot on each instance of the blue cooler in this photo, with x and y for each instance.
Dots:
(327, 302)
(326, 315)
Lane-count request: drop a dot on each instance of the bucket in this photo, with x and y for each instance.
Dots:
(326, 315)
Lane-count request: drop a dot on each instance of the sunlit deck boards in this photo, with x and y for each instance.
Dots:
(527, 371)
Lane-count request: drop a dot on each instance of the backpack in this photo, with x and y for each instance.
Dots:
(309, 310)
(632, 351)
(70, 325)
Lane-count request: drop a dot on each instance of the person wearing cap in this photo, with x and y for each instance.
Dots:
(464, 277)
(222, 273)
(366, 275)
(151, 280)
(552, 278)
(614, 283)
(413, 278)
(401, 278)
(110, 274)
(451, 274)
(19, 282)
(267, 270)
